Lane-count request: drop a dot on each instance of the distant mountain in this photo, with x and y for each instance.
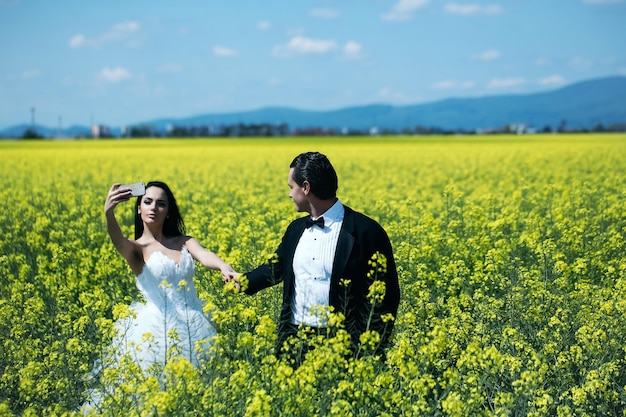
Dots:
(583, 105)
(72, 131)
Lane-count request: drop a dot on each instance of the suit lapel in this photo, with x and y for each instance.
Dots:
(291, 243)
(293, 240)
(344, 245)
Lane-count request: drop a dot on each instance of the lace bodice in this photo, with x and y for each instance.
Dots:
(168, 284)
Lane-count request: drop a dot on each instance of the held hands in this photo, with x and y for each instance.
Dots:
(116, 196)
(233, 280)
(228, 273)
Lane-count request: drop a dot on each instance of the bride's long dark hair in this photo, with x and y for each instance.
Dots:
(173, 225)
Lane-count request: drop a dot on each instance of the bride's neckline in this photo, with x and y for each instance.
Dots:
(177, 263)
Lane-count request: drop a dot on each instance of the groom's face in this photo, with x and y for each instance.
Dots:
(296, 193)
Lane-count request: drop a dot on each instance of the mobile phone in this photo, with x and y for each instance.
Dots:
(136, 189)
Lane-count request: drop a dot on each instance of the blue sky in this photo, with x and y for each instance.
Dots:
(120, 62)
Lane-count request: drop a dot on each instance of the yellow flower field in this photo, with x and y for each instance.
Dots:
(510, 252)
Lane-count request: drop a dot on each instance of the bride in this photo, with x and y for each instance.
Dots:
(170, 320)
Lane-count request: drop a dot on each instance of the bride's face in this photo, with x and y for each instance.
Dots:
(154, 206)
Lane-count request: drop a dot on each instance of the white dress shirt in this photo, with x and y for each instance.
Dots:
(313, 267)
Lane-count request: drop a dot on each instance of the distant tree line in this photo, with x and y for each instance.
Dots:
(282, 129)
(268, 130)
(232, 130)
(31, 134)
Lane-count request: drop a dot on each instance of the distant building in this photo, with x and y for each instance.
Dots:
(520, 129)
(100, 131)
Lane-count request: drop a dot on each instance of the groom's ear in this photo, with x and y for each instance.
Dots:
(306, 187)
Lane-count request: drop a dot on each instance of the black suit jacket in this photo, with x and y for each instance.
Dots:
(360, 237)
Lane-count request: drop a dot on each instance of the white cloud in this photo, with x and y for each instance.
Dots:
(119, 32)
(552, 80)
(580, 63)
(170, 68)
(77, 41)
(301, 45)
(264, 25)
(224, 51)
(388, 94)
(489, 55)
(472, 9)
(352, 50)
(506, 82)
(451, 84)
(404, 9)
(324, 13)
(293, 31)
(444, 85)
(114, 75)
(31, 73)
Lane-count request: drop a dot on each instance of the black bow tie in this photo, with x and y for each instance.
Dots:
(319, 222)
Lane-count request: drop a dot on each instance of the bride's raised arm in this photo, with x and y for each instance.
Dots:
(127, 248)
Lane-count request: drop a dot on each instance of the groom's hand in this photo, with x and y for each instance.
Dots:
(236, 283)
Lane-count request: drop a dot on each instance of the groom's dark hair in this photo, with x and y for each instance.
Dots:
(173, 225)
(315, 168)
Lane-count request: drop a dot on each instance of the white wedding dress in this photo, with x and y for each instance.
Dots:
(167, 323)
(170, 320)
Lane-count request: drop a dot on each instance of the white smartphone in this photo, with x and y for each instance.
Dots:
(136, 189)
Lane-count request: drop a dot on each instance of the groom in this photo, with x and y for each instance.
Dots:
(324, 259)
